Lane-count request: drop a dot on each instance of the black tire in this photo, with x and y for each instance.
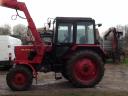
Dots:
(19, 78)
(82, 78)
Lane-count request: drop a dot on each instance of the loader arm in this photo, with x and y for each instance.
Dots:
(14, 4)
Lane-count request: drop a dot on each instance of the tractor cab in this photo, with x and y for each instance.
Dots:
(71, 30)
(75, 30)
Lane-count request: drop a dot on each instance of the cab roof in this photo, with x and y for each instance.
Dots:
(74, 19)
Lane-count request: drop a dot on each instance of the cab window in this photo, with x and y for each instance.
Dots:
(65, 33)
(85, 33)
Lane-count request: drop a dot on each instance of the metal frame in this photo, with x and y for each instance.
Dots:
(74, 21)
(14, 4)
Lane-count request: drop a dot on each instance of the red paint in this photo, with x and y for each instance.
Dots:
(19, 79)
(85, 70)
(9, 3)
(39, 46)
(21, 53)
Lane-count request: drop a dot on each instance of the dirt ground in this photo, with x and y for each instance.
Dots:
(114, 83)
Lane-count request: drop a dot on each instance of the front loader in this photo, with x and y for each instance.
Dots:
(70, 48)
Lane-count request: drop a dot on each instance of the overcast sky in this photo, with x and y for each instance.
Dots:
(108, 12)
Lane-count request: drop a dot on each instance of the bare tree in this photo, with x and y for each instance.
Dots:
(20, 30)
(126, 36)
(5, 30)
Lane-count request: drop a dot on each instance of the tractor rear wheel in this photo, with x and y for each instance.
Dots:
(85, 69)
(19, 78)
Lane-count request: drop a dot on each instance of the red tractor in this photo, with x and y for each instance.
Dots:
(72, 49)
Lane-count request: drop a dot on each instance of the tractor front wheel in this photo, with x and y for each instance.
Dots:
(19, 78)
(85, 69)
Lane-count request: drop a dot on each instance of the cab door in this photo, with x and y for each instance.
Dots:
(64, 38)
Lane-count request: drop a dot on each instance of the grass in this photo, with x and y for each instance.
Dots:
(125, 61)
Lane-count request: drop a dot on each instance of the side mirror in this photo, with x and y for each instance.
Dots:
(99, 25)
(49, 24)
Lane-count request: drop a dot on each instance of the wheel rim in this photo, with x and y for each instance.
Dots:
(19, 79)
(85, 70)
